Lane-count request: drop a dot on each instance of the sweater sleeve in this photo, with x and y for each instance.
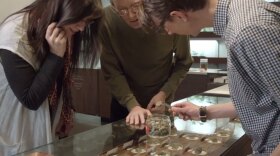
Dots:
(29, 86)
(114, 74)
(182, 63)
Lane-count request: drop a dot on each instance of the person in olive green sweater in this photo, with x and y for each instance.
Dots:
(142, 69)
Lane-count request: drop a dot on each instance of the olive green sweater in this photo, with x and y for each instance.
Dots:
(137, 65)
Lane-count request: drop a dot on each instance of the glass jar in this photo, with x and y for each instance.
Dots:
(158, 129)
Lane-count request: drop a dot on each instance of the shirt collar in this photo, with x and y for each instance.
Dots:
(220, 17)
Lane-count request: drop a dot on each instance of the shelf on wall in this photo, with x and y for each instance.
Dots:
(211, 60)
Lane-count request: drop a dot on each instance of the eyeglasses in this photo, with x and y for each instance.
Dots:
(134, 8)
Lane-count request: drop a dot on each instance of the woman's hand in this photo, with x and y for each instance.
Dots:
(57, 39)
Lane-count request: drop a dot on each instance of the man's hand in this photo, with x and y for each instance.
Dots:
(158, 99)
(137, 115)
(186, 111)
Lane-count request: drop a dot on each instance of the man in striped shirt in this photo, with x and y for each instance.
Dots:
(251, 30)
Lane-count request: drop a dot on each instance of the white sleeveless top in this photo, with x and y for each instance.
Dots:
(21, 129)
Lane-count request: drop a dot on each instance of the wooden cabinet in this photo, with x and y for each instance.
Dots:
(91, 93)
(193, 84)
(242, 147)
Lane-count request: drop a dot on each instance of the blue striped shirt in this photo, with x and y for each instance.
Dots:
(251, 30)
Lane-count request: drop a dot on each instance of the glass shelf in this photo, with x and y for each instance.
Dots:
(112, 136)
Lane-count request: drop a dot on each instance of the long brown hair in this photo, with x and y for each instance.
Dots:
(161, 9)
(42, 13)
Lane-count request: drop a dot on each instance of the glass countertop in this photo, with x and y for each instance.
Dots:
(107, 137)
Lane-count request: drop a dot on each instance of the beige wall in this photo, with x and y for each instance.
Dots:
(9, 6)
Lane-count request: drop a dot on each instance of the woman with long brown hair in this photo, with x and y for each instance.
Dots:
(40, 45)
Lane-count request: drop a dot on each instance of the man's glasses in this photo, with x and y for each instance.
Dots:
(134, 8)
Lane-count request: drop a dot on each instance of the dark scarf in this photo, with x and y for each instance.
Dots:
(63, 85)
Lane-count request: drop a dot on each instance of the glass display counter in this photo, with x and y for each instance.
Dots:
(213, 137)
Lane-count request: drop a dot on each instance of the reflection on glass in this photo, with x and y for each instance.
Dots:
(160, 152)
(198, 127)
(191, 136)
(83, 145)
(198, 151)
(213, 139)
(174, 146)
(138, 150)
(226, 130)
(40, 154)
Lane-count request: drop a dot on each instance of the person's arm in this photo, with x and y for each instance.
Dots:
(226, 110)
(183, 62)
(29, 86)
(114, 74)
(276, 151)
(189, 110)
(263, 52)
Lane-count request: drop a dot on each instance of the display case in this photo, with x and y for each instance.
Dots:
(187, 138)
